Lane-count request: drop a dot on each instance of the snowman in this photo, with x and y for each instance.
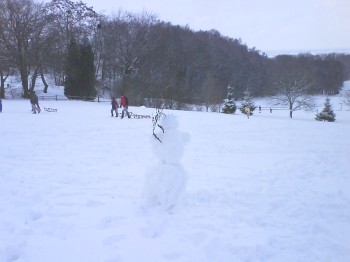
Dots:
(166, 181)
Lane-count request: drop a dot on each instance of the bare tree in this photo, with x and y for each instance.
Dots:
(292, 92)
(68, 20)
(5, 68)
(16, 28)
(209, 93)
(5, 60)
(41, 42)
(126, 38)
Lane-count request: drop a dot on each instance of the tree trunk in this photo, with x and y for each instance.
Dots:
(2, 85)
(23, 70)
(2, 88)
(290, 109)
(24, 80)
(32, 84)
(44, 81)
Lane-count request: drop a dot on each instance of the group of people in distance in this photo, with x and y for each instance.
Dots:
(123, 103)
(34, 101)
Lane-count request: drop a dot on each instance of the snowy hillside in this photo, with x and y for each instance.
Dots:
(73, 186)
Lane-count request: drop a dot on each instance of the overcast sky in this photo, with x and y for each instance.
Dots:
(267, 25)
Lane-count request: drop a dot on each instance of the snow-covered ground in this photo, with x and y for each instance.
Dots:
(268, 188)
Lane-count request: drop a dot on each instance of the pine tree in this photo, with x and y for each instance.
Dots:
(247, 102)
(87, 71)
(327, 113)
(80, 72)
(72, 71)
(229, 103)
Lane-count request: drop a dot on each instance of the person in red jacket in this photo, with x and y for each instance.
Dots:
(114, 107)
(125, 104)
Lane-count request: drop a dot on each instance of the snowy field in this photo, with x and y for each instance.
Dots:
(268, 188)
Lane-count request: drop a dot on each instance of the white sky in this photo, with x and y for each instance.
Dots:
(267, 25)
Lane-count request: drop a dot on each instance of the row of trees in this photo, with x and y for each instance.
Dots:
(147, 59)
(34, 38)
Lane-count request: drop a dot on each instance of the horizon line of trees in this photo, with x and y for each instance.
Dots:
(145, 58)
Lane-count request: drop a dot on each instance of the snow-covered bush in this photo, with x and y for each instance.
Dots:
(229, 103)
(247, 102)
(327, 113)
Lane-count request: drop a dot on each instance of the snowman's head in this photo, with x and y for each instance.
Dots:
(171, 148)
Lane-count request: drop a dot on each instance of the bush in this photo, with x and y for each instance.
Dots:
(327, 113)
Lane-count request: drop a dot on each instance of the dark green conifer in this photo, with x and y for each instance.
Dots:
(87, 69)
(80, 72)
(72, 71)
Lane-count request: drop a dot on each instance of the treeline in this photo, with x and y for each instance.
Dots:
(147, 59)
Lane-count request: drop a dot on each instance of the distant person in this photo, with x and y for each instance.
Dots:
(37, 103)
(114, 107)
(0, 105)
(259, 109)
(34, 101)
(125, 104)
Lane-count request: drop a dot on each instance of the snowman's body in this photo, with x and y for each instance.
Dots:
(166, 181)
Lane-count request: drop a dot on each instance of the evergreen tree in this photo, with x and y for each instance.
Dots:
(80, 72)
(247, 102)
(229, 103)
(72, 71)
(87, 72)
(327, 113)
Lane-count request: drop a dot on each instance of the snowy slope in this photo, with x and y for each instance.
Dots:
(268, 188)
